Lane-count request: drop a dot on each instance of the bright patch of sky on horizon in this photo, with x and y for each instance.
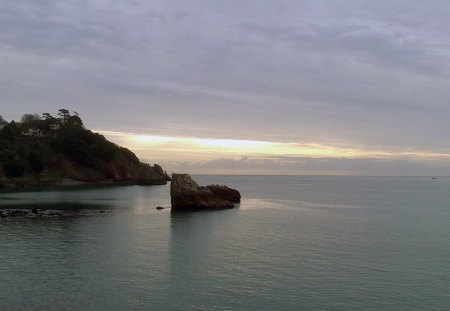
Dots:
(241, 87)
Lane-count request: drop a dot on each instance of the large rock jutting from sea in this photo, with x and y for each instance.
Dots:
(186, 194)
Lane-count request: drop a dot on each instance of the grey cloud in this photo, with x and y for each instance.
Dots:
(362, 43)
(369, 74)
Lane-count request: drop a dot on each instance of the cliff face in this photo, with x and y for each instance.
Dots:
(116, 171)
(68, 155)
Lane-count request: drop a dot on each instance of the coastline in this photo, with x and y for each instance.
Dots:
(29, 184)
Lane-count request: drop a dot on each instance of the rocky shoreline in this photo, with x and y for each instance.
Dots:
(27, 182)
(185, 193)
(40, 213)
(148, 175)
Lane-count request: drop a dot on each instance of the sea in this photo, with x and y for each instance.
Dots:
(294, 243)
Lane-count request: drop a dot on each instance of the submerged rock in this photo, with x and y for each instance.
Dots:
(185, 193)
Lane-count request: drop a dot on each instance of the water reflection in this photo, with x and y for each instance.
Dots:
(196, 241)
(122, 198)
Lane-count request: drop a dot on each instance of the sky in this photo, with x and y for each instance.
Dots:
(348, 87)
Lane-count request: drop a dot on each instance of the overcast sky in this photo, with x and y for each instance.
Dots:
(368, 81)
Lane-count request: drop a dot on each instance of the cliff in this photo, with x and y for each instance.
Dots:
(61, 151)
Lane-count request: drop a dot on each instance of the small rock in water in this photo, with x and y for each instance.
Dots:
(101, 212)
(34, 211)
(159, 208)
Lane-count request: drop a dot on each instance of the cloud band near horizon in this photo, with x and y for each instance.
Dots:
(218, 156)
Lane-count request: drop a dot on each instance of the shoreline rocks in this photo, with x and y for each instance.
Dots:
(70, 175)
(39, 214)
(186, 194)
(25, 183)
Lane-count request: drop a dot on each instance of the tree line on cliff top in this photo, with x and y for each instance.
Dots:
(41, 144)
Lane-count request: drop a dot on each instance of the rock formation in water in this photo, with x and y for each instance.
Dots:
(186, 194)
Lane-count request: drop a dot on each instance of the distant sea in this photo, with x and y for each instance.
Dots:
(294, 243)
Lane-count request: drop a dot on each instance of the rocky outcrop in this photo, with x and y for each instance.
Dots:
(117, 172)
(186, 194)
(161, 172)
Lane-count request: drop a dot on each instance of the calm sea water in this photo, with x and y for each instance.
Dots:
(295, 243)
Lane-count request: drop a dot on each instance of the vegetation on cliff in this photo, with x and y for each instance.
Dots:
(48, 149)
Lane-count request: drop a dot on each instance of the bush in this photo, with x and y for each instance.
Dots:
(14, 168)
(10, 132)
(36, 162)
(129, 155)
(105, 151)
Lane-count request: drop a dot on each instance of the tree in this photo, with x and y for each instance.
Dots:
(11, 131)
(36, 162)
(2, 121)
(75, 120)
(29, 118)
(64, 114)
(47, 116)
(14, 168)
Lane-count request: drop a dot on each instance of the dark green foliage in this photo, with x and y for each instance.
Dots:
(63, 145)
(74, 121)
(106, 152)
(36, 162)
(130, 156)
(7, 155)
(14, 168)
(21, 151)
(10, 132)
(64, 114)
(30, 118)
(47, 116)
(85, 147)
